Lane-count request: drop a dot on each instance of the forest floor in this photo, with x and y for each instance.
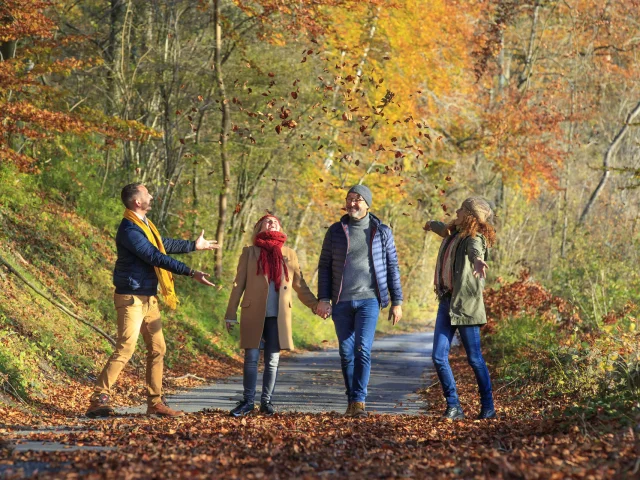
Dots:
(534, 437)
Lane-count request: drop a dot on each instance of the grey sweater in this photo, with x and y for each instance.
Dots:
(358, 278)
(273, 300)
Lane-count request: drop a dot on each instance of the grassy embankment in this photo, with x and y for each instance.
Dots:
(63, 243)
(549, 347)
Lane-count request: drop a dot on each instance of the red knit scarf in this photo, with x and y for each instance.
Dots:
(271, 262)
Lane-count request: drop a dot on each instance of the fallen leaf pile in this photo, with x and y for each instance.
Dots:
(531, 439)
(65, 399)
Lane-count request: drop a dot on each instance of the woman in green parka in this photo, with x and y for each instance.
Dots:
(459, 280)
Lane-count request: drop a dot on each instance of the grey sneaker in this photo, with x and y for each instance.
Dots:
(267, 408)
(453, 412)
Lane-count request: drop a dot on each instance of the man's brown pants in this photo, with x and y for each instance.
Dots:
(136, 314)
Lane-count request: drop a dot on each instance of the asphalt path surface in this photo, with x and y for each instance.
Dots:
(312, 381)
(309, 382)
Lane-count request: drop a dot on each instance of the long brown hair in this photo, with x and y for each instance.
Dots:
(471, 226)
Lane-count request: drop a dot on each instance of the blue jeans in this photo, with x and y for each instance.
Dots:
(470, 335)
(355, 322)
(271, 359)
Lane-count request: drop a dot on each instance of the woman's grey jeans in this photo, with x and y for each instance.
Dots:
(271, 346)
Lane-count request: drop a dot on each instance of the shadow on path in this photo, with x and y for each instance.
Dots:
(312, 382)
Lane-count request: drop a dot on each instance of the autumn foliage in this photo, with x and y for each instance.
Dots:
(527, 297)
(32, 107)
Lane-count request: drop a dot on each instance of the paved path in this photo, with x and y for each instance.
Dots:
(312, 382)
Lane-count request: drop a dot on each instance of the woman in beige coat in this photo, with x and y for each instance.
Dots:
(267, 273)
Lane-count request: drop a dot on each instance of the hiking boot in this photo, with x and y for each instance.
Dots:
(100, 406)
(267, 408)
(161, 409)
(487, 414)
(453, 413)
(349, 411)
(357, 410)
(242, 408)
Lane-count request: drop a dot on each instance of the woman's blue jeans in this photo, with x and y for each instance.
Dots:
(470, 335)
(271, 359)
(355, 322)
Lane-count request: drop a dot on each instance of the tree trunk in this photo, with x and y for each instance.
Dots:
(565, 196)
(196, 199)
(224, 130)
(7, 50)
(528, 62)
(113, 54)
(426, 241)
(608, 156)
(303, 219)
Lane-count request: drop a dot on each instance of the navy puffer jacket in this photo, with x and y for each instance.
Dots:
(383, 253)
(134, 273)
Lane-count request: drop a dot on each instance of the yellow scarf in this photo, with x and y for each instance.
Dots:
(165, 279)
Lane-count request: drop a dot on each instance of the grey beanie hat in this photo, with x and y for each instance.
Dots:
(479, 208)
(363, 191)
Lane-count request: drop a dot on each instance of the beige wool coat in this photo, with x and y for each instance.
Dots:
(254, 301)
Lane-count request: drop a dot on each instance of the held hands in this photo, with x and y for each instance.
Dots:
(230, 324)
(395, 314)
(323, 310)
(480, 268)
(202, 244)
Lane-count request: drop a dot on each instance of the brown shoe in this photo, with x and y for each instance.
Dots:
(100, 406)
(358, 410)
(349, 411)
(163, 410)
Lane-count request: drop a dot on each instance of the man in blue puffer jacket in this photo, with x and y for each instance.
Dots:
(358, 273)
(140, 265)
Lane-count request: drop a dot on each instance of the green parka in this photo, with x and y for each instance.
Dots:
(467, 303)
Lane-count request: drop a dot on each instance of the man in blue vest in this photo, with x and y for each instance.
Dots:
(358, 275)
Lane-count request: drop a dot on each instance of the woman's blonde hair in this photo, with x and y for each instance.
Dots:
(258, 226)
